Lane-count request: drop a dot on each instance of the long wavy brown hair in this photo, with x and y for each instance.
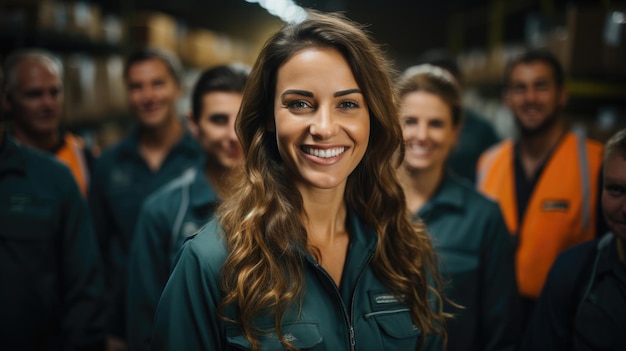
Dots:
(263, 220)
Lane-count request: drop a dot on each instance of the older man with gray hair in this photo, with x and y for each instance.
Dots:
(33, 99)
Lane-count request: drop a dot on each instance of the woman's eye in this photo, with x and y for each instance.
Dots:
(348, 105)
(298, 105)
(437, 124)
(410, 121)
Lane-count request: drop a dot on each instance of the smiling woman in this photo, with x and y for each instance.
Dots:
(322, 128)
(315, 250)
(468, 231)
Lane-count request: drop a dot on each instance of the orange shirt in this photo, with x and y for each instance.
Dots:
(72, 153)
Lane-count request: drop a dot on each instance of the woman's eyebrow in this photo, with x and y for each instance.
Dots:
(347, 92)
(297, 92)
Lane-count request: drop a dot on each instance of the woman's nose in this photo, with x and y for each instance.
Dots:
(323, 125)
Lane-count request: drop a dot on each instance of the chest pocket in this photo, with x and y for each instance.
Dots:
(398, 330)
(394, 321)
(303, 335)
(27, 220)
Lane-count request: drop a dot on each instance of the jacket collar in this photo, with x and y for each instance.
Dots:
(202, 192)
(361, 233)
(609, 261)
(450, 194)
(129, 146)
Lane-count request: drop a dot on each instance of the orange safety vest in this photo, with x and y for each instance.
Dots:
(561, 211)
(72, 153)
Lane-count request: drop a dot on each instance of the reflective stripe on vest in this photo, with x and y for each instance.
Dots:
(561, 210)
(583, 166)
(73, 155)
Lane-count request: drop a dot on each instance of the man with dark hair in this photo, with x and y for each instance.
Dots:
(34, 100)
(477, 134)
(546, 181)
(156, 151)
(50, 268)
(583, 303)
(184, 205)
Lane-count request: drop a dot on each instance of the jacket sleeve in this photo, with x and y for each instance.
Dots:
(82, 276)
(148, 270)
(186, 317)
(501, 315)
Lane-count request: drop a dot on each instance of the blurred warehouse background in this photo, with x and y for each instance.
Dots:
(92, 38)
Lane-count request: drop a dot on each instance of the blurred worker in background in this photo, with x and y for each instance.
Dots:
(583, 303)
(477, 133)
(467, 229)
(156, 151)
(34, 101)
(184, 205)
(50, 268)
(546, 180)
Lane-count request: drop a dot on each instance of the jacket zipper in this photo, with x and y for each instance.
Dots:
(348, 318)
(343, 306)
(358, 280)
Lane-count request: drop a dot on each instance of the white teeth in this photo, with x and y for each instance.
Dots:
(419, 149)
(328, 153)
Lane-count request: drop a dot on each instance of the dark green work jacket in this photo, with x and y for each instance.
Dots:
(51, 280)
(477, 260)
(120, 183)
(361, 314)
(168, 217)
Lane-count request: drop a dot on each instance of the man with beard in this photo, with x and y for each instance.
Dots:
(546, 181)
(156, 151)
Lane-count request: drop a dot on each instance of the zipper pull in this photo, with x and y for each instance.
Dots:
(352, 339)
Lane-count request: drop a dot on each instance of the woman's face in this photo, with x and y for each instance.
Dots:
(428, 130)
(322, 121)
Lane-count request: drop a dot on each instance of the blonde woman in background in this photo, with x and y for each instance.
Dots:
(467, 229)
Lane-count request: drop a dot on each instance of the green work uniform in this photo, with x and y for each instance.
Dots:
(120, 183)
(50, 269)
(167, 218)
(361, 314)
(477, 260)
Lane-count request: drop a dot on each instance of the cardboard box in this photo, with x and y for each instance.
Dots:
(79, 85)
(203, 48)
(110, 76)
(155, 29)
(94, 88)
